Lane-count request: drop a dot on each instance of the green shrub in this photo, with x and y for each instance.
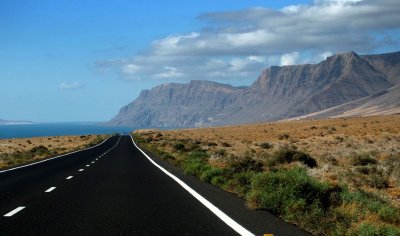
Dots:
(179, 146)
(285, 189)
(219, 181)
(246, 164)
(39, 150)
(224, 144)
(209, 174)
(288, 155)
(362, 159)
(266, 145)
(196, 163)
(212, 144)
(220, 152)
(240, 183)
(283, 136)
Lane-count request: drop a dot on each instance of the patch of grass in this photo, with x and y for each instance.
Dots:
(367, 229)
(372, 204)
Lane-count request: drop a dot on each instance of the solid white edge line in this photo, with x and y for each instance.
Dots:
(50, 189)
(70, 177)
(13, 212)
(220, 214)
(66, 154)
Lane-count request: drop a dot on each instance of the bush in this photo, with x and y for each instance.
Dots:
(246, 164)
(179, 146)
(210, 173)
(240, 183)
(362, 159)
(220, 152)
(265, 145)
(288, 155)
(196, 163)
(219, 180)
(224, 144)
(40, 150)
(283, 136)
(285, 190)
(212, 144)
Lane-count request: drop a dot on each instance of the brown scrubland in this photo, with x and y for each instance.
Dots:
(330, 177)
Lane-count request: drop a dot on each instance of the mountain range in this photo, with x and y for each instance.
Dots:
(345, 84)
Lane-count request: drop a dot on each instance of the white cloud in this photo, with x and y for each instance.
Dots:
(169, 73)
(289, 59)
(71, 85)
(238, 44)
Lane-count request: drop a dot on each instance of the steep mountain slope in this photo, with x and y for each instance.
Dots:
(279, 93)
(386, 102)
(388, 64)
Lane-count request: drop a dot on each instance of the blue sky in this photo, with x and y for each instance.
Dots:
(83, 60)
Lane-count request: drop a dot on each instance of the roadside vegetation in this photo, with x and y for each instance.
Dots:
(14, 152)
(330, 177)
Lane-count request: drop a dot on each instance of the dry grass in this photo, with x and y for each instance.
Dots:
(11, 149)
(331, 142)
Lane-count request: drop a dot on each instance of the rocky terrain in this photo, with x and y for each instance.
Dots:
(279, 93)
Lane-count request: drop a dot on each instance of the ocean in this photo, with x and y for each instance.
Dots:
(58, 129)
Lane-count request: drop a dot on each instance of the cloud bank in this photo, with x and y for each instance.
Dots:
(238, 44)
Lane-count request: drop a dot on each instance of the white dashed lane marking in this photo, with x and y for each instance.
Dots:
(50, 189)
(70, 177)
(13, 212)
(81, 170)
(87, 165)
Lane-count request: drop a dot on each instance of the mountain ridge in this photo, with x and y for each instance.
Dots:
(278, 93)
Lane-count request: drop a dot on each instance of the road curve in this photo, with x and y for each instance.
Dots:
(113, 189)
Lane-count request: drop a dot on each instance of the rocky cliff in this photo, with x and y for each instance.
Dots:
(279, 93)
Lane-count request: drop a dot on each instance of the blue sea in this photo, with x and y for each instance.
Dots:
(58, 129)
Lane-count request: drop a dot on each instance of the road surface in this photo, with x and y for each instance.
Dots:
(114, 189)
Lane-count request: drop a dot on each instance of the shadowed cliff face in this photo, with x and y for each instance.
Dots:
(279, 92)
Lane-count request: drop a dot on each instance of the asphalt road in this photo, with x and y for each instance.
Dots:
(114, 189)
